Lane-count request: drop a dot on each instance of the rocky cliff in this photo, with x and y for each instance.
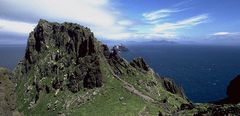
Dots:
(63, 52)
(67, 71)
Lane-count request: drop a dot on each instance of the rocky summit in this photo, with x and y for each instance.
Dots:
(67, 71)
(63, 52)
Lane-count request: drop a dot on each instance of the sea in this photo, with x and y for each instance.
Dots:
(10, 55)
(203, 71)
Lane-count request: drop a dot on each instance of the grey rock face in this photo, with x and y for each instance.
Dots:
(172, 87)
(66, 53)
(139, 63)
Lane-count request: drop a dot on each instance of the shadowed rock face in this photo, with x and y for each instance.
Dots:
(171, 86)
(140, 64)
(232, 92)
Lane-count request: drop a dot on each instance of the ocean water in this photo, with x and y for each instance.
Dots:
(203, 71)
(10, 55)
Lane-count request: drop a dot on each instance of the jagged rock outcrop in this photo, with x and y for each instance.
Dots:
(139, 63)
(114, 60)
(67, 50)
(233, 94)
(170, 86)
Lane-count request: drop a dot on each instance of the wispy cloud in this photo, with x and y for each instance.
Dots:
(168, 30)
(226, 34)
(183, 3)
(15, 26)
(159, 14)
(186, 23)
(160, 22)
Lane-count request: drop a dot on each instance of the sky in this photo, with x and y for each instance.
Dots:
(206, 21)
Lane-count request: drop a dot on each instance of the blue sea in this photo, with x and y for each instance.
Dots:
(10, 55)
(203, 71)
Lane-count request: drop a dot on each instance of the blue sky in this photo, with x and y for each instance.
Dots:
(134, 20)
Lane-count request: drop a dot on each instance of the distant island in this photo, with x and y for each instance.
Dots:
(67, 71)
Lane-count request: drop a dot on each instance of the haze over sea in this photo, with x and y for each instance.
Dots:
(203, 71)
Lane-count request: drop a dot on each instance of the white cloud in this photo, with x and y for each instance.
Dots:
(125, 22)
(193, 21)
(96, 14)
(15, 26)
(167, 30)
(226, 34)
(183, 3)
(158, 24)
(159, 14)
